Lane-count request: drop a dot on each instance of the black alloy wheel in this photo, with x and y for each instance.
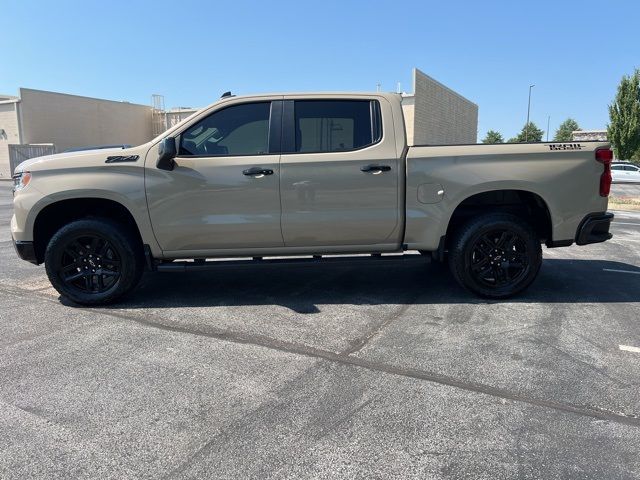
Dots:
(495, 255)
(94, 261)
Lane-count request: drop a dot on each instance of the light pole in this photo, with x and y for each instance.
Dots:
(526, 127)
(548, 120)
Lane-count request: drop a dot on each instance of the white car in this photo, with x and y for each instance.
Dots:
(625, 173)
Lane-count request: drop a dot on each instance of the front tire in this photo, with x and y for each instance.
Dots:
(94, 261)
(495, 255)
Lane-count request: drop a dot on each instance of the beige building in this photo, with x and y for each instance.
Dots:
(43, 122)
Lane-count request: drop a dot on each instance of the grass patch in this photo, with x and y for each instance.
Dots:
(624, 203)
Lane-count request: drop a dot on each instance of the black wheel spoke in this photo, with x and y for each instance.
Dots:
(72, 253)
(80, 248)
(74, 277)
(503, 238)
(105, 248)
(93, 246)
(70, 268)
(481, 265)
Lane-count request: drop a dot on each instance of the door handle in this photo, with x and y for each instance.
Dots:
(375, 169)
(257, 172)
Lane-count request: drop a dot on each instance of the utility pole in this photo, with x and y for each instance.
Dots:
(548, 120)
(526, 127)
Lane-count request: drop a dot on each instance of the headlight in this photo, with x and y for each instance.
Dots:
(21, 180)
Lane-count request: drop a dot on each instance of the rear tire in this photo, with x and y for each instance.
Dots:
(94, 261)
(495, 256)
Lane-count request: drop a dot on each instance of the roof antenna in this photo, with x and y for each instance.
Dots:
(226, 94)
(378, 86)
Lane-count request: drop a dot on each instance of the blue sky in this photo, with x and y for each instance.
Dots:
(575, 52)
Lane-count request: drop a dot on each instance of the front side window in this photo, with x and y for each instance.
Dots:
(236, 130)
(617, 167)
(335, 125)
(631, 168)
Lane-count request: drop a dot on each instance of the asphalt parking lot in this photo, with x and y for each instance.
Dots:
(326, 372)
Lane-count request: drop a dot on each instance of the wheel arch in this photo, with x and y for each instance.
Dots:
(51, 217)
(524, 203)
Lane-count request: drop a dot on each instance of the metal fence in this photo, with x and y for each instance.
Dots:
(20, 153)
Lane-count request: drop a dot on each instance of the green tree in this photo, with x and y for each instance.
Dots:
(534, 134)
(493, 137)
(563, 133)
(624, 115)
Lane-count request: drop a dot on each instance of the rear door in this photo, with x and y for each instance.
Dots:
(339, 175)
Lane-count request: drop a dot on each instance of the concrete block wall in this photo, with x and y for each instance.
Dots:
(441, 116)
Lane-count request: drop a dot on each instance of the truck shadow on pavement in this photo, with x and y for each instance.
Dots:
(302, 288)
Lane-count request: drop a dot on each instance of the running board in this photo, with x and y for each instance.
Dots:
(373, 259)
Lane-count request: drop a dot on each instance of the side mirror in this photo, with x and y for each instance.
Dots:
(166, 153)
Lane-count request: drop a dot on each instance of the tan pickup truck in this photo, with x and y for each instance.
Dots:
(312, 175)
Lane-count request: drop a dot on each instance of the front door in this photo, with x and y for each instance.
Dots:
(339, 182)
(224, 191)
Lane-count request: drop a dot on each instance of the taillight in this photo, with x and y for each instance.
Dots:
(605, 156)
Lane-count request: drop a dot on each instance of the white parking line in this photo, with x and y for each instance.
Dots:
(627, 348)
(626, 223)
(620, 271)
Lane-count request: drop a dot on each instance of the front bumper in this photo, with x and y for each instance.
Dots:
(26, 251)
(594, 228)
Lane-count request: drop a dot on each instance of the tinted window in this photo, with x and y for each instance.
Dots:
(631, 168)
(238, 130)
(617, 167)
(335, 125)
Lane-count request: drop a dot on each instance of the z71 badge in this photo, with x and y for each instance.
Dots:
(565, 146)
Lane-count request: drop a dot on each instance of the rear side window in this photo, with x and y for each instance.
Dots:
(336, 125)
(617, 167)
(236, 130)
(631, 168)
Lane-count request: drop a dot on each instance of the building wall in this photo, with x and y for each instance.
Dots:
(70, 121)
(441, 116)
(600, 135)
(8, 123)
(174, 117)
(408, 110)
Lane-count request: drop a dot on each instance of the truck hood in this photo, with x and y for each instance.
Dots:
(73, 159)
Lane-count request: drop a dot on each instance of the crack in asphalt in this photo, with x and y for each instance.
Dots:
(350, 360)
(362, 341)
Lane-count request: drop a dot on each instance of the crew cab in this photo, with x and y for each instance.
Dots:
(305, 175)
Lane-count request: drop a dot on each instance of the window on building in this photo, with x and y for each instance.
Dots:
(336, 125)
(236, 130)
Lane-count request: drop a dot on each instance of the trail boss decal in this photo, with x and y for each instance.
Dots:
(565, 146)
